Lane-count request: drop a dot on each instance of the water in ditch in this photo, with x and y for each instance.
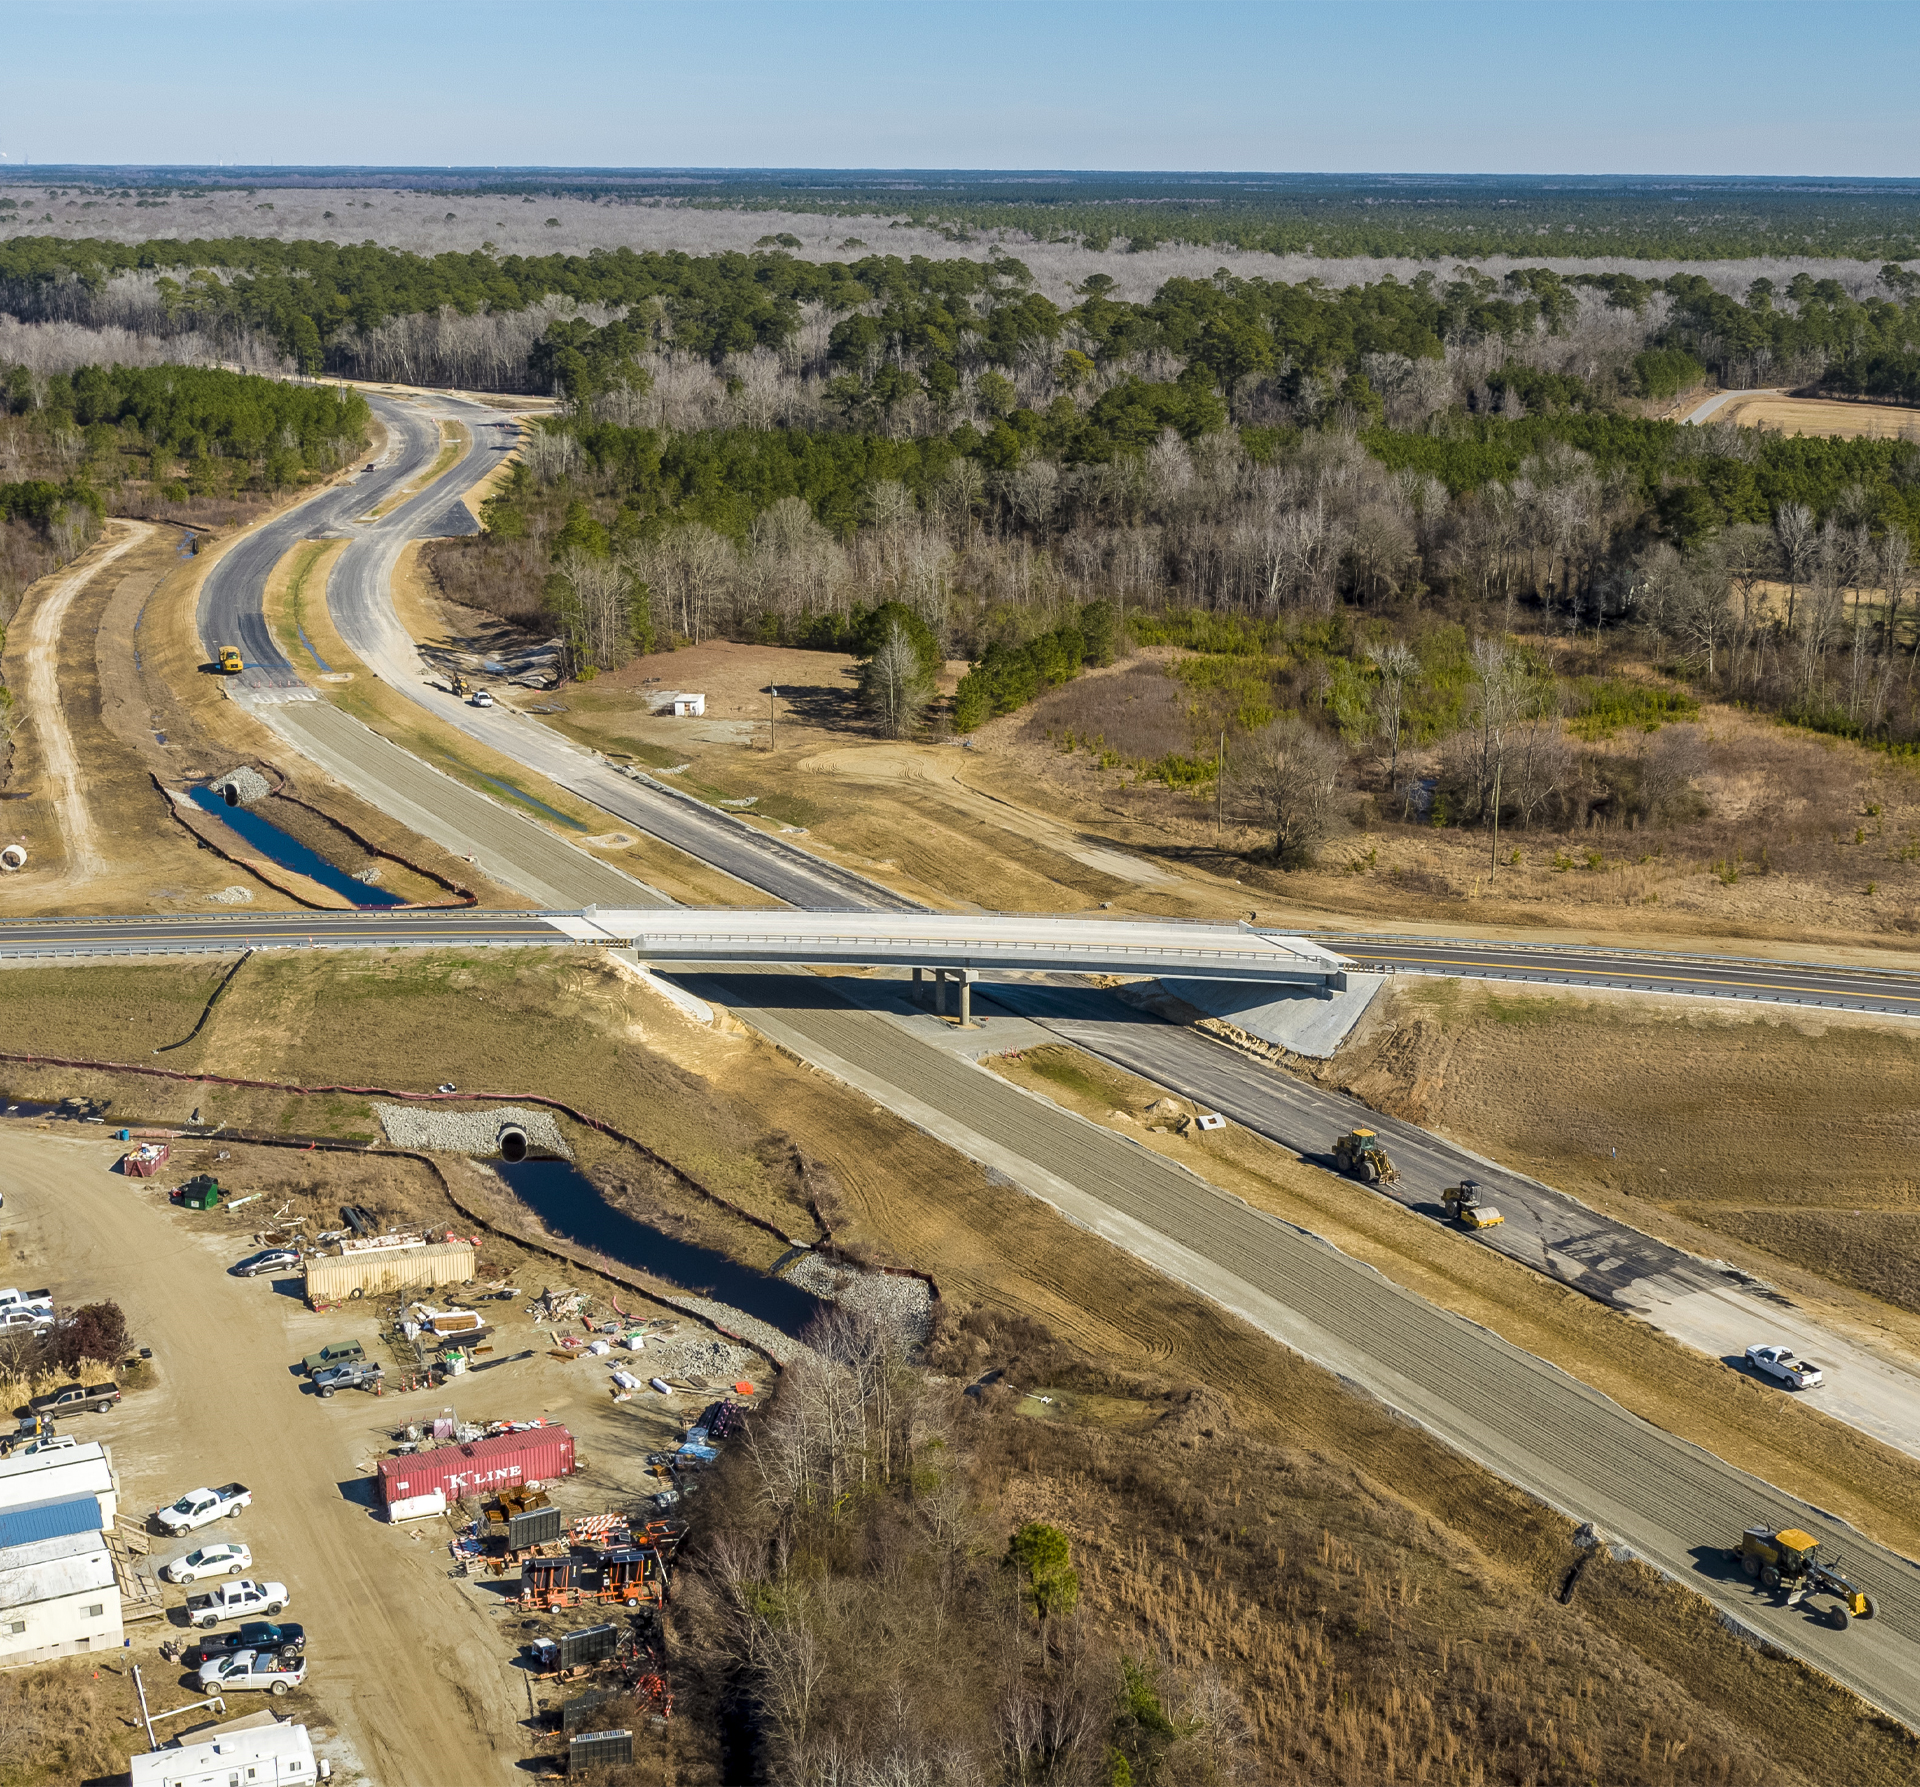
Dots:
(287, 850)
(568, 1203)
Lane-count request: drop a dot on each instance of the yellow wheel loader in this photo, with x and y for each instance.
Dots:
(1464, 1206)
(1359, 1155)
(1789, 1558)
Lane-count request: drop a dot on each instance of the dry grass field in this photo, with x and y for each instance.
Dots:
(1785, 1142)
(1821, 416)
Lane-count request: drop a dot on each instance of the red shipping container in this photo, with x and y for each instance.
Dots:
(483, 1467)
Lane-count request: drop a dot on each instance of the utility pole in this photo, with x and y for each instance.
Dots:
(1219, 786)
(772, 694)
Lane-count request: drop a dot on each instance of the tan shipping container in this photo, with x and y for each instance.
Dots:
(332, 1280)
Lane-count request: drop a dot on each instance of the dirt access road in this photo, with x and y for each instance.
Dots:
(84, 862)
(415, 1677)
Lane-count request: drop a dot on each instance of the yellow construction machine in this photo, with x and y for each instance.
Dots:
(1464, 1206)
(1359, 1155)
(1788, 1558)
(230, 664)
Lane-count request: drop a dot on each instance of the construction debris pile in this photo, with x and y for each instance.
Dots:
(531, 666)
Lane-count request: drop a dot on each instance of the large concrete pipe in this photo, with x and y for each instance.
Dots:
(513, 1142)
(13, 857)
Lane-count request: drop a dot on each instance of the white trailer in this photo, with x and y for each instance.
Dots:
(260, 1754)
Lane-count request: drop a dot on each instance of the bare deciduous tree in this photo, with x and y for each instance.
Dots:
(1286, 780)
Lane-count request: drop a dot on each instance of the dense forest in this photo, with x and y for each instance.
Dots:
(919, 327)
(1419, 216)
(168, 440)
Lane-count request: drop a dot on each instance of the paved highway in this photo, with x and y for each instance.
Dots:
(360, 600)
(1715, 1309)
(1892, 990)
(231, 610)
(1671, 1502)
(967, 941)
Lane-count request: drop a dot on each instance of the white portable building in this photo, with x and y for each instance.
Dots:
(27, 1479)
(58, 1598)
(247, 1752)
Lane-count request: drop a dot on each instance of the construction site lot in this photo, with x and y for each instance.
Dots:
(726, 1111)
(412, 1668)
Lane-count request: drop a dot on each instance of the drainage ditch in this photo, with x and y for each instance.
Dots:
(572, 1207)
(286, 850)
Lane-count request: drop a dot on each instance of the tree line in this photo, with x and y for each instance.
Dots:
(896, 327)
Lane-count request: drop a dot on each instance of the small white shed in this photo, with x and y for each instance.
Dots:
(689, 707)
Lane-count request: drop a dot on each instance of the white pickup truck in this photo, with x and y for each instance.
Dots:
(236, 1600)
(201, 1507)
(276, 1673)
(23, 1311)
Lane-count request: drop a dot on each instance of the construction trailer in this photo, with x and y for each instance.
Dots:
(257, 1750)
(337, 1278)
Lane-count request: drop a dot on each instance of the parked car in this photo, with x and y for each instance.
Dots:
(253, 1634)
(49, 1442)
(231, 1600)
(1778, 1363)
(271, 1670)
(70, 1399)
(335, 1352)
(208, 1560)
(482, 698)
(26, 1318)
(362, 1374)
(201, 1507)
(274, 1259)
(13, 1298)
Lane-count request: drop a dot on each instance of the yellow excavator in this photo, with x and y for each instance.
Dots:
(1788, 1558)
(1464, 1206)
(1359, 1155)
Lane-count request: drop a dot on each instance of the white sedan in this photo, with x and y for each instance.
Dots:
(1778, 1362)
(209, 1560)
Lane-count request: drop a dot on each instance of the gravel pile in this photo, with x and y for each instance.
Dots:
(782, 1349)
(889, 1297)
(690, 1354)
(469, 1132)
(246, 782)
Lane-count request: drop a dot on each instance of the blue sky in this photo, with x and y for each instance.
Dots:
(1557, 86)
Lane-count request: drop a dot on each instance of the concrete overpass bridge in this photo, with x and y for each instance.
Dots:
(954, 948)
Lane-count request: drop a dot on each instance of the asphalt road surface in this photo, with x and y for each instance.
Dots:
(374, 928)
(1672, 1503)
(1715, 1309)
(360, 599)
(1893, 990)
(231, 610)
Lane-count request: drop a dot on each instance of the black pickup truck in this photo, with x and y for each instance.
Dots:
(72, 1398)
